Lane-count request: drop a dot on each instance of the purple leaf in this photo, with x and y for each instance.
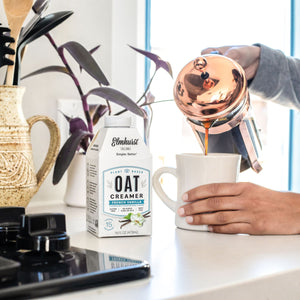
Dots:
(91, 51)
(67, 117)
(99, 112)
(85, 60)
(150, 98)
(92, 108)
(118, 98)
(156, 59)
(77, 124)
(94, 49)
(67, 153)
(42, 27)
(48, 69)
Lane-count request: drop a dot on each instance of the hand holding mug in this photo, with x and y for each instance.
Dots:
(242, 208)
(194, 170)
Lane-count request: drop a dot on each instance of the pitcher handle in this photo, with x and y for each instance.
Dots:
(53, 146)
(158, 188)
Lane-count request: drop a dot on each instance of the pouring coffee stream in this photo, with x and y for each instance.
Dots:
(211, 91)
(206, 125)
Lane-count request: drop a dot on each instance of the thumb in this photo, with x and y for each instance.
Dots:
(221, 50)
(209, 50)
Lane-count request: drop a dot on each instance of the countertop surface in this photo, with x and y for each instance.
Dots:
(190, 264)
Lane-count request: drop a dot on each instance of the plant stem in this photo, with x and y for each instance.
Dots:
(76, 82)
(168, 100)
(150, 117)
(147, 88)
(109, 107)
(143, 95)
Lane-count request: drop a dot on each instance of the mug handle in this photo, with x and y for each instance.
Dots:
(53, 149)
(158, 188)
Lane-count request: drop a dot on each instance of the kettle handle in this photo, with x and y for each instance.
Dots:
(158, 188)
(252, 153)
(53, 149)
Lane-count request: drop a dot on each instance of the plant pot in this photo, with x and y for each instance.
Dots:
(76, 183)
(18, 179)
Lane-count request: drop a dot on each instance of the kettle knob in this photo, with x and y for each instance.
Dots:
(200, 64)
(43, 232)
(10, 223)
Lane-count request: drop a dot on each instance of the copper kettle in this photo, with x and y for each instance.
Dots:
(213, 88)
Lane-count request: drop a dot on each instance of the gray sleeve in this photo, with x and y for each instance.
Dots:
(277, 78)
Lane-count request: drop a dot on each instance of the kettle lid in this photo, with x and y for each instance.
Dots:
(210, 87)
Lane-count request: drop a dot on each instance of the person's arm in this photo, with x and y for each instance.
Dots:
(277, 78)
(242, 208)
(273, 75)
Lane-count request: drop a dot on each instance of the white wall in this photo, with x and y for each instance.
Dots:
(111, 23)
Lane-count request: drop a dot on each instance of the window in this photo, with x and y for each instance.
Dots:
(294, 172)
(179, 31)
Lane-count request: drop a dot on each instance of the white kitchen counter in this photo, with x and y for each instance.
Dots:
(188, 264)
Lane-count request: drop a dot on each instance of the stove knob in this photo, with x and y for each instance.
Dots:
(10, 223)
(43, 232)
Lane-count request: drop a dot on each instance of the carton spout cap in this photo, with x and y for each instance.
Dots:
(117, 121)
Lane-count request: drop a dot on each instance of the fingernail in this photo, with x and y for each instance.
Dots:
(185, 197)
(189, 219)
(181, 212)
(210, 229)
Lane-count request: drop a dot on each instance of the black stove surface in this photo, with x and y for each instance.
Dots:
(28, 274)
(36, 258)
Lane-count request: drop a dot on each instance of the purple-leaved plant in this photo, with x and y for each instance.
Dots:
(81, 131)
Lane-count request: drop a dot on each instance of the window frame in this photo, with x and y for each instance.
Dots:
(294, 143)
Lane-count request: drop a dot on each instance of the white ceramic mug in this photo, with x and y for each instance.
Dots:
(194, 170)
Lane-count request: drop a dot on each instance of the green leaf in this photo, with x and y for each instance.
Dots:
(128, 216)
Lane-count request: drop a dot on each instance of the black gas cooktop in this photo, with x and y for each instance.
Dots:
(36, 258)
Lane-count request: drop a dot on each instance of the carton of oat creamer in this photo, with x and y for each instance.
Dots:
(118, 194)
